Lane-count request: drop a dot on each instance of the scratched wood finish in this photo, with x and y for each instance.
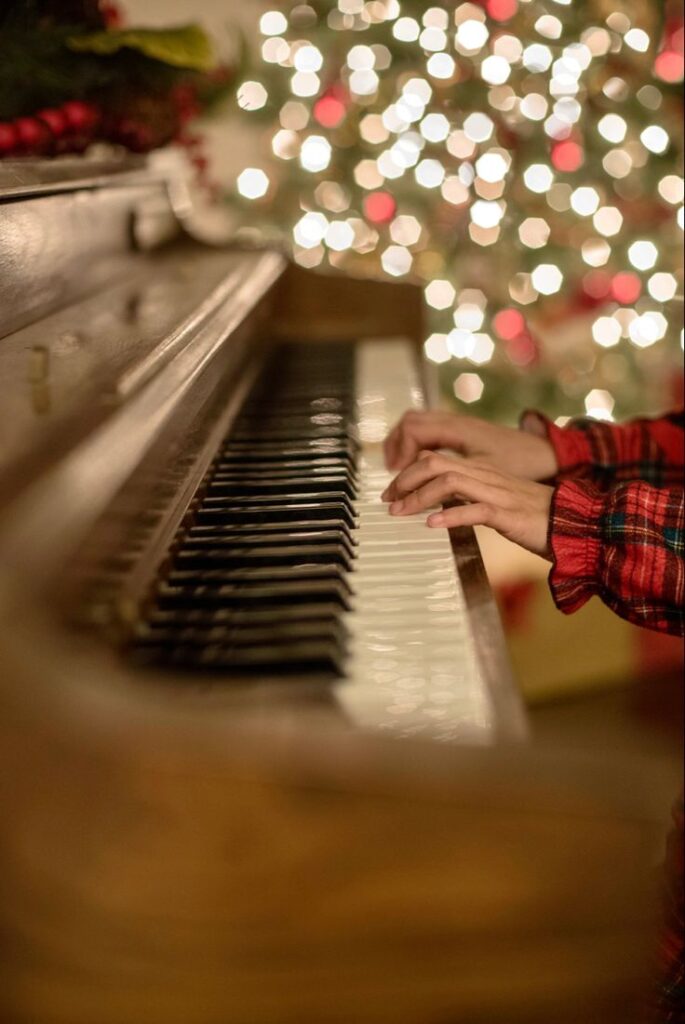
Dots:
(162, 876)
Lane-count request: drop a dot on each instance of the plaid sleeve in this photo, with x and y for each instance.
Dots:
(652, 450)
(626, 545)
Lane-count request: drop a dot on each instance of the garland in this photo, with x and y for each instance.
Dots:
(71, 74)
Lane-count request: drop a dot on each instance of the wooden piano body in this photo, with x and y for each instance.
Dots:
(181, 850)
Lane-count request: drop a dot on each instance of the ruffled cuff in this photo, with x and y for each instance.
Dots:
(572, 447)
(576, 544)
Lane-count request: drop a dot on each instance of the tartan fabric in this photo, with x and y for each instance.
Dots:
(625, 545)
(645, 449)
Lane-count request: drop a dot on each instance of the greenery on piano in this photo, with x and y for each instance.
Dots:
(521, 159)
(72, 73)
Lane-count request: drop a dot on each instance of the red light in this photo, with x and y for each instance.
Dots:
(522, 351)
(508, 323)
(329, 111)
(669, 66)
(597, 284)
(567, 155)
(626, 288)
(501, 10)
(380, 207)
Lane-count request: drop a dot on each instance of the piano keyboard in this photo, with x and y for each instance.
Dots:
(288, 564)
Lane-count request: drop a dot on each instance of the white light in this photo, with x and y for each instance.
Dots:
(430, 173)
(454, 191)
(440, 294)
(662, 287)
(308, 58)
(405, 230)
(305, 83)
(273, 23)
(468, 316)
(406, 30)
(310, 230)
(407, 150)
(548, 26)
(435, 127)
(419, 88)
(538, 177)
(483, 349)
(643, 255)
(537, 57)
(644, 331)
(534, 106)
(495, 70)
(315, 154)
(468, 387)
(433, 39)
(436, 349)
(361, 58)
(252, 96)
(595, 251)
(373, 130)
(285, 144)
(534, 232)
(460, 343)
(252, 183)
(275, 51)
(363, 83)
(471, 35)
(606, 331)
(491, 167)
(440, 65)
(436, 17)
(547, 278)
(608, 220)
(655, 139)
(367, 175)
(478, 127)
(389, 166)
(612, 128)
(396, 260)
(637, 39)
(508, 47)
(568, 110)
(486, 214)
(584, 201)
(671, 189)
(599, 404)
(340, 236)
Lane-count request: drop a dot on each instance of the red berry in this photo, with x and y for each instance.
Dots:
(80, 116)
(33, 135)
(56, 121)
(9, 138)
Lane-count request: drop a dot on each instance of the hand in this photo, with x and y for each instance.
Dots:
(514, 451)
(518, 509)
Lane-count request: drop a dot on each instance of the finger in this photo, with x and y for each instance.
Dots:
(416, 430)
(427, 466)
(477, 514)
(443, 488)
(390, 446)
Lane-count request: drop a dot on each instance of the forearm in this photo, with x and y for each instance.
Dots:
(625, 545)
(652, 450)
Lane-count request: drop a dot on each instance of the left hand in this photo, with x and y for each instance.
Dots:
(518, 509)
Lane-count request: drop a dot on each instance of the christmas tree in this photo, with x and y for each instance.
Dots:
(521, 159)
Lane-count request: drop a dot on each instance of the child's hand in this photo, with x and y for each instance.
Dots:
(518, 509)
(514, 451)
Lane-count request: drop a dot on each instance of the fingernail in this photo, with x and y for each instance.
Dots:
(396, 507)
(437, 520)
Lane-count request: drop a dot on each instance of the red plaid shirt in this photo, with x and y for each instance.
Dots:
(617, 530)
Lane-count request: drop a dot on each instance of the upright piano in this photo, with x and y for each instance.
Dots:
(262, 755)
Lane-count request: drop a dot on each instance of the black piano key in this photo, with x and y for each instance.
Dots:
(241, 635)
(209, 536)
(266, 595)
(258, 472)
(181, 577)
(251, 615)
(230, 556)
(324, 511)
(298, 656)
(249, 487)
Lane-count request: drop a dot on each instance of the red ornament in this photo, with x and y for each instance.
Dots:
(669, 66)
(508, 324)
(626, 287)
(567, 155)
(597, 285)
(380, 207)
(81, 117)
(33, 136)
(55, 121)
(9, 138)
(522, 350)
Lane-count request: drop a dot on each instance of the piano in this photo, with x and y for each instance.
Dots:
(261, 744)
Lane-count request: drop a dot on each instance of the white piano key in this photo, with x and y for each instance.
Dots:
(412, 667)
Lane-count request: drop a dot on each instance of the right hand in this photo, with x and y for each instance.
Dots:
(514, 452)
